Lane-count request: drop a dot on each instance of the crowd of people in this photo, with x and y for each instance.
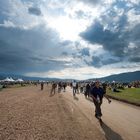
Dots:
(94, 90)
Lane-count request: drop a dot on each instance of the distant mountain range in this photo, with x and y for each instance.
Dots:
(25, 78)
(123, 77)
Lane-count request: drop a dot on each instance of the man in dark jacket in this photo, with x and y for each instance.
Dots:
(42, 85)
(97, 94)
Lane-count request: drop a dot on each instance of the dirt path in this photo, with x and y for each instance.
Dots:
(30, 114)
(121, 120)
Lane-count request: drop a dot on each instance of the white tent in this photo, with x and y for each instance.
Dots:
(113, 81)
(11, 79)
(8, 79)
(19, 80)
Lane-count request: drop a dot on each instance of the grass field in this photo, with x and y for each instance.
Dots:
(129, 94)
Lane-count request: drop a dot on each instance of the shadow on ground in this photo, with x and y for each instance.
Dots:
(109, 133)
(75, 98)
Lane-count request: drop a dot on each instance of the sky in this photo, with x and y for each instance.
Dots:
(78, 39)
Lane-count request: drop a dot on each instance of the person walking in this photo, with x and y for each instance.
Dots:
(104, 86)
(77, 87)
(64, 86)
(59, 87)
(87, 92)
(97, 93)
(74, 87)
(54, 85)
(42, 85)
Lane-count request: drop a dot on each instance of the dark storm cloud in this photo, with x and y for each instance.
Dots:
(11, 59)
(110, 61)
(90, 1)
(37, 59)
(134, 34)
(64, 53)
(134, 37)
(85, 52)
(99, 61)
(111, 41)
(65, 43)
(4, 9)
(31, 39)
(96, 62)
(28, 50)
(109, 18)
(35, 11)
(115, 39)
(135, 59)
(114, 42)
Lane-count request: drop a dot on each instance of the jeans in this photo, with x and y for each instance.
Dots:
(98, 108)
(74, 91)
